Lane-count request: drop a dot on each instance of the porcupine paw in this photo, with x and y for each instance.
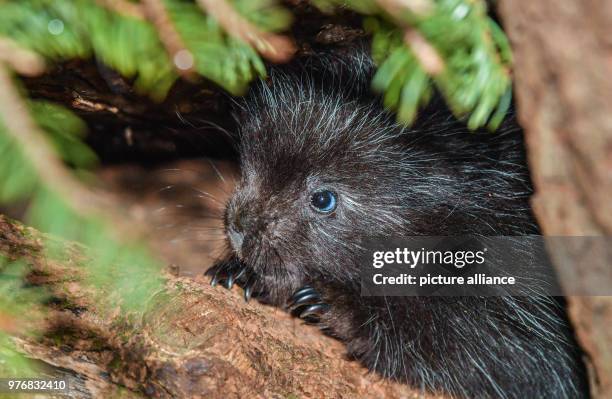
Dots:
(306, 303)
(230, 272)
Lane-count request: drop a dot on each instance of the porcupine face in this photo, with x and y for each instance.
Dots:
(319, 174)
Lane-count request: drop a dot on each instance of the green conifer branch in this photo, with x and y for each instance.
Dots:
(463, 54)
(450, 45)
(61, 204)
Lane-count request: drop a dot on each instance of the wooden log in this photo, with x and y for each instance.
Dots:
(193, 340)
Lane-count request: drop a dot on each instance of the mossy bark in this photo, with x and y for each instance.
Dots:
(193, 341)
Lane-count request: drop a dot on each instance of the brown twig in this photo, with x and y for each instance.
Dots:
(25, 62)
(276, 48)
(123, 7)
(426, 54)
(156, 12)
(9, 324)
(393, 7)
(91, 106)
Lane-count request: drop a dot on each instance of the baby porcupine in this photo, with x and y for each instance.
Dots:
(324, 167)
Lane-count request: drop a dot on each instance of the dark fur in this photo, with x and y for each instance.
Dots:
(317, 126)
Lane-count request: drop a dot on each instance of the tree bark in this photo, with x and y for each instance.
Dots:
(563, 70)
(194, 341)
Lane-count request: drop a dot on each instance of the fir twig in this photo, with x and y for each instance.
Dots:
(393, 7)
(182, 59)
(9, 324)
(276, 48)
(59, 203)
(426, 54)
(37, 148)
(123, 7)
(23, 61)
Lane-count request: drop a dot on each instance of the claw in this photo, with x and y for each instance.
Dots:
(303, 290)
(248, 291)
(228, 272)
(314, 310)
(233, 272)
(306, 304)
(309, 297)
(229, 283)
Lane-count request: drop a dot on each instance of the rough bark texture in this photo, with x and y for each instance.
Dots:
(563, 70)
(193, 341)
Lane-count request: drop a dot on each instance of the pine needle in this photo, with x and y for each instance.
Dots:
(276, 48)
(155, 10)
(123, 7)
(38, 150)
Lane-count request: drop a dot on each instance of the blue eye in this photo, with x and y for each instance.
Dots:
(324, 201)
